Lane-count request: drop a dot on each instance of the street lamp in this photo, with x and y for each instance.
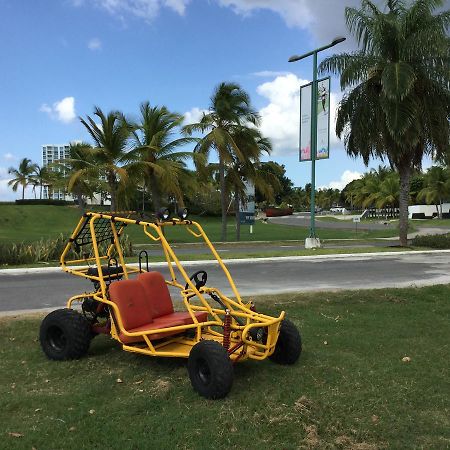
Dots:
(313, 241)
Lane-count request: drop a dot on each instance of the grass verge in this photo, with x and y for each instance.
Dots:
(350, 390)
(29, 223)
(230, 254)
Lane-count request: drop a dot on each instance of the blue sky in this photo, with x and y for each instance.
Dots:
(59, 58)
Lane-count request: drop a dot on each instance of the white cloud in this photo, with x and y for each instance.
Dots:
(143, 9)
(193, 115)
(347, 177)
(324, 18)
(6, 193)
(281, 116)
(268, 74)
(63, 110)
(95, 44)
(9, 157)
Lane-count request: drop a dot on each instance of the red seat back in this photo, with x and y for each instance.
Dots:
(157, 293)
(130, 297)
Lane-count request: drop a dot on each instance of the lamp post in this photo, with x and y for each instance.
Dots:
(313, 241)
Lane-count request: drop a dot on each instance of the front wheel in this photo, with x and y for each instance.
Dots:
(65, 334)
(210, 369)
(289, 344)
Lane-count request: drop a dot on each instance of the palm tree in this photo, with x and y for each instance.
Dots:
(39, 177)
(229, 110)
(80, 172)
(23, 175)
(397, 101)
(252, 145)
(437, 187)
(154, 147)
(110, 154)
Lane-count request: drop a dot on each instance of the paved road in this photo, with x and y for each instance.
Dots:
(52, 288)
(303, 220)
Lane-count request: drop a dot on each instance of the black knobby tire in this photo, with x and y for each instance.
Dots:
(210, 369)
(289, 344)
(65, 334)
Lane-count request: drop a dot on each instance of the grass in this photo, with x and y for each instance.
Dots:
(350, 390)
(266, 253)
(440, 223)
(32, 222)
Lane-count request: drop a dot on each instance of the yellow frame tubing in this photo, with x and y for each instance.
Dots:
(251, 349)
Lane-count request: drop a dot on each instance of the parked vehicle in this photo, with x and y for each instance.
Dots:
(133, 305)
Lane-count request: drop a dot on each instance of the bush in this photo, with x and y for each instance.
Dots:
(46, 250)
(439, 241)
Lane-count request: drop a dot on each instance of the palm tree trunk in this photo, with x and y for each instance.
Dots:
(440, 208)
(23, 191)
(80, 201)
(156, 195)
(112, 190)
(238, 218)
(405, 175)
(40, 191)
(223, 199)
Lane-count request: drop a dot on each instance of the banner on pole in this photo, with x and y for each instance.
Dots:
(247, 205)
(323, 120)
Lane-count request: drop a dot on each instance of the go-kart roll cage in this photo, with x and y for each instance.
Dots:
(236, 318)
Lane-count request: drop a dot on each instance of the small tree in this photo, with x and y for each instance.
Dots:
(23, 175)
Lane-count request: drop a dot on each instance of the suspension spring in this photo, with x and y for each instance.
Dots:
(227, 330)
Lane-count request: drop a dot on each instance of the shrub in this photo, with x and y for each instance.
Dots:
(46, 250)
(440, 241)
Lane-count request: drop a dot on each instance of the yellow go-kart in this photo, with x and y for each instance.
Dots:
(133, 304)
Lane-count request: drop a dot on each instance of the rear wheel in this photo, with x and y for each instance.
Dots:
(65, 334)
(210, 370)
(289, 344)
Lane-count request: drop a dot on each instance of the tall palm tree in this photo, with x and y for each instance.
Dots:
(252, 146)
(437, 187)
(397, 101)
(110, 153)
(39, 177)
(230, 109)
(154, 146)
(23, 175)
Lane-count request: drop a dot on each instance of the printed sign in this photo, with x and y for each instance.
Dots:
(247, 205)
(323, 120)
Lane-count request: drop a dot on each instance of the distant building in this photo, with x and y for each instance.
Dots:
(50, 154)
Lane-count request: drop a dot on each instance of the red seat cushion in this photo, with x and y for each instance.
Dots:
(129, 296)
(170, 320)
(157, 293)
(145, 305)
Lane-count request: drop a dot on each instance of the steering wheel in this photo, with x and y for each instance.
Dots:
(199, 282)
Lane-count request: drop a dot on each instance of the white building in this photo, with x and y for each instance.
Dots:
(427, 211)
(50, 154)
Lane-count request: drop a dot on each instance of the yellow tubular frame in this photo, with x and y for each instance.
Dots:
(178, 345)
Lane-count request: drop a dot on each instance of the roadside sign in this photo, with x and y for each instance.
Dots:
(323, 120)
(247, 205)
(356, 219)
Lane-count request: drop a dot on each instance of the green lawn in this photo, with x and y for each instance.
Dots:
(350, 389)
(33, 222)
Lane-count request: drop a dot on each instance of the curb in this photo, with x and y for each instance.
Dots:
(37, 270)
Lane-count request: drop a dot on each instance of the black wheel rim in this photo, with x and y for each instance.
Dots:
(56, 338)
(203, 371)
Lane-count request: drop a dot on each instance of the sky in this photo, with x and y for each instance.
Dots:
(60, 58)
